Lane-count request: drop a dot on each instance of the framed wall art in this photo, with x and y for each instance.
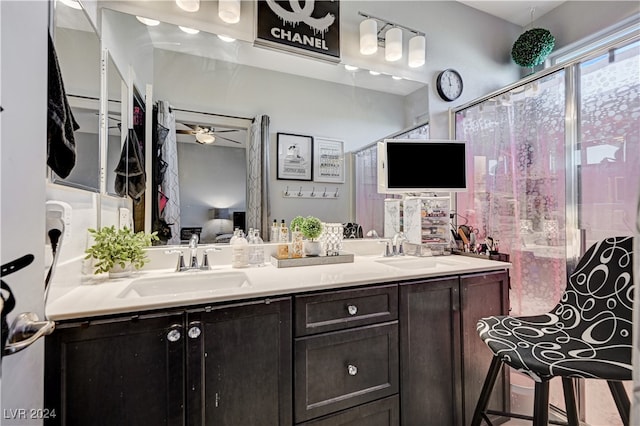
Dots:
(328, 160)
(295, 157)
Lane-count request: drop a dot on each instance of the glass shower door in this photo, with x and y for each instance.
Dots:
(609, 170)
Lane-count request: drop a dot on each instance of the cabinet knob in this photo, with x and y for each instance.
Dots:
(352, 309)
(174, 335)
(194, 332)
(352, 370)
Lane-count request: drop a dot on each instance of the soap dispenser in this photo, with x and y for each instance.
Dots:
(240, 251)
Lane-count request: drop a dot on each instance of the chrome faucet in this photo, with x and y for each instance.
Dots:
(398, 243)
(193, 251)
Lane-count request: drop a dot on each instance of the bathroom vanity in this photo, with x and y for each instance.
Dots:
(380, 341)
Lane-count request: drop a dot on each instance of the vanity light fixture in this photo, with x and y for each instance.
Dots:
(189, 5)
(188, 30)
(72, 4)
(393, 44)
(229, 11)
(368, 37)
(148, 21)
(226, 38)
(389, 36)
(350, 67)
(417, 48)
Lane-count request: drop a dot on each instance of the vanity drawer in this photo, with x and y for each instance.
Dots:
(384, 412)
(337, 310)
(343, 369)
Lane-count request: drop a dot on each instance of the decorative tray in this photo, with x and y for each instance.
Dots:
(310, 261)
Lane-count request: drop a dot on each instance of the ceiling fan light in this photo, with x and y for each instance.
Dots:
(229, 11)
(417, 47)
(393, 45)
(188, 30)
(368, 36)
(205, 138)
(148, 21)
(189, 5)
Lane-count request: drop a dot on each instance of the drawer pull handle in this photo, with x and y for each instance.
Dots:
(352, 309)
(352, 370)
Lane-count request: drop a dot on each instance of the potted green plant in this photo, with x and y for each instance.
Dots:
(311, 228)
(118, 251)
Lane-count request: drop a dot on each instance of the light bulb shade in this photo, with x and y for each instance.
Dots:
(229, 11)
(188, 5)
(205, 138)
(393, 45)
(218, 213)
(368, 37)
(417, 48)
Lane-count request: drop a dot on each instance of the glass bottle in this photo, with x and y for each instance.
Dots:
(275, 232)
(256, 249)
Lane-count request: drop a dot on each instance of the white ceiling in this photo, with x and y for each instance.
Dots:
(514, 11)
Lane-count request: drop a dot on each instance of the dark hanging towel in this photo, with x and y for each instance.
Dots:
(130, 175)
(61, 145)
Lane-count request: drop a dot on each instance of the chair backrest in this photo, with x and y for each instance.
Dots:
(599, 296)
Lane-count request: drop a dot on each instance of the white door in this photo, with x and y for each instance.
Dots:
(23, 136)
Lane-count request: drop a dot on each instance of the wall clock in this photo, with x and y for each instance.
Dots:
(449, 85)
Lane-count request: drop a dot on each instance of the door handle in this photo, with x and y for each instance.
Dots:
(25, 330)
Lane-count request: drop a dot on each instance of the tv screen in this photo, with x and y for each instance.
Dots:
(406, 165)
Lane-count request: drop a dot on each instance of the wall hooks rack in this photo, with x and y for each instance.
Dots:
(323, 193)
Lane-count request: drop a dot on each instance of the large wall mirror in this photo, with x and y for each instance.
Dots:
(78, 50)
(116, 121)
(214, 79)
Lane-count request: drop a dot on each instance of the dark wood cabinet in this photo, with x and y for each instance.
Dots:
(376, 355)
(204, 366)
(443, 360)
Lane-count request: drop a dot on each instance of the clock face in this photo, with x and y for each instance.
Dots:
(449, 85)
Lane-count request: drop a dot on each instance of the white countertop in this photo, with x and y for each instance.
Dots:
(99, 295)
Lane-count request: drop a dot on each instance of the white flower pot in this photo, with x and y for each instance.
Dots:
(312, 248)
(119, 272)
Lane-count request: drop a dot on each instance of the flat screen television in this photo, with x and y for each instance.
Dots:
(419, 166)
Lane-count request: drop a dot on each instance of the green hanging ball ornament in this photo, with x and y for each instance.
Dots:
(532, 47)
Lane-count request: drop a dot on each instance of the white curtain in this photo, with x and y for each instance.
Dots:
(170, 183)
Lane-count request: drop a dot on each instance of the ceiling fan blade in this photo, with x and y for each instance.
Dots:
(225, 131)
(185, 132)
(227, 139)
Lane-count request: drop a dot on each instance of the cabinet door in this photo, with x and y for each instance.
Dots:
(239, 365)
(430, 392)
(116, 372)
(482, 295)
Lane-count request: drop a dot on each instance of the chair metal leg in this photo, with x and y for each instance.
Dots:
(570, 401)
(541, 404)
(622, 400)
(487, 388)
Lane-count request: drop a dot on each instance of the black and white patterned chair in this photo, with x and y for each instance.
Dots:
(587, 335)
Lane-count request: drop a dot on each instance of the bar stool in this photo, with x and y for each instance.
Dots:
(587, 335)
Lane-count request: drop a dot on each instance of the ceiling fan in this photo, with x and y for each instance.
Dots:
(206, 135)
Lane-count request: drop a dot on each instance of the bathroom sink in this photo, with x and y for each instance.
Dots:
(181, 283)
(403, 262)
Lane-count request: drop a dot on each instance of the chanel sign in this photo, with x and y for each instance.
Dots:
(307, 27)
